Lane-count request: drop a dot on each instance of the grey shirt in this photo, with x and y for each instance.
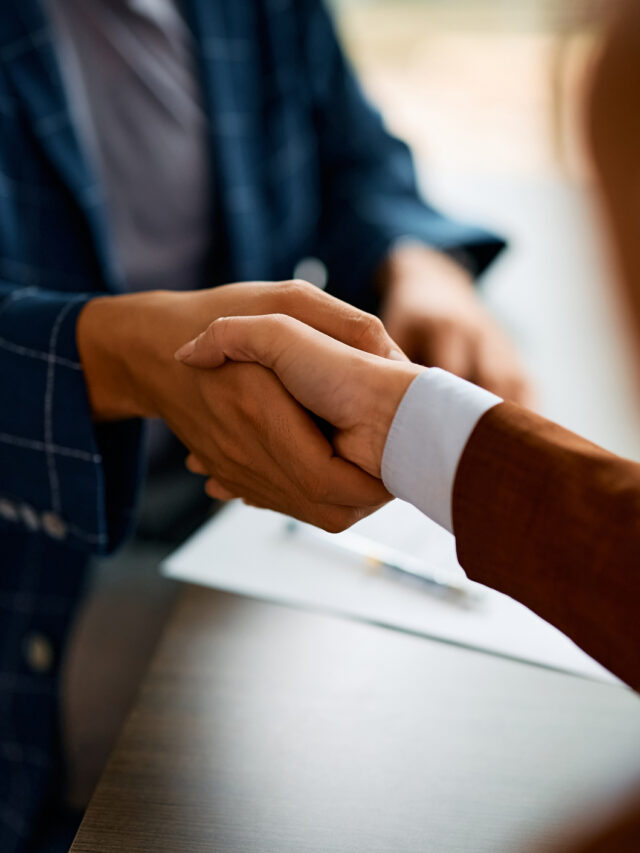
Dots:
(129, 71)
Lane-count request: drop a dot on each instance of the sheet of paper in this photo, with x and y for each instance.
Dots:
(254, 552)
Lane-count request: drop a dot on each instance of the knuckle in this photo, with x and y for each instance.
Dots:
(279, 320)
(229, 465)
(368, 330)
(375, 326)
(220, 469)
(230, 459)
(447, 329)
(375, 323)
(208, 333)
(208, 336)
(299, 284)
(247, 401)
(336, 520)
(293, 290)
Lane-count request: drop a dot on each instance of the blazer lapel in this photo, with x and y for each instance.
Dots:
(28, 55)
(227, 49)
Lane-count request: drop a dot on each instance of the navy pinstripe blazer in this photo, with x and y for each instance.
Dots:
(303, 166)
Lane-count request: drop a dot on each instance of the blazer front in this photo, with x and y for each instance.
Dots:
(302, 167)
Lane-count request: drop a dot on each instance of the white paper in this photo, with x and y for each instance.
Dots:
(253, 552)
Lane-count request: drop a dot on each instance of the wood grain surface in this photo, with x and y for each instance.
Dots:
(266, 729)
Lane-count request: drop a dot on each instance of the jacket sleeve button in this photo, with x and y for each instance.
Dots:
(8, 510)
(54, 526)
(38, 653)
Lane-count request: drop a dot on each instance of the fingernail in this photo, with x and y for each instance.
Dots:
(186, 350)
(397, 355)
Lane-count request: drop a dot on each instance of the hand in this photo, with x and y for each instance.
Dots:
(355, 391)
(432, 311)
(245, 429)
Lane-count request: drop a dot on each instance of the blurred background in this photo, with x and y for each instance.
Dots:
(491, 85)
(490, 95)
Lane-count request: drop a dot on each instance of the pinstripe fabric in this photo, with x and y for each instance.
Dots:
(302, 167)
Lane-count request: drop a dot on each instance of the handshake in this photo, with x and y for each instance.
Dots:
(240, 393)
(323, 357)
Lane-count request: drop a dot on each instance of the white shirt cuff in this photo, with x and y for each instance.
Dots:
(428, 435)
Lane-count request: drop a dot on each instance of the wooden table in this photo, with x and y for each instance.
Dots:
(266, 729)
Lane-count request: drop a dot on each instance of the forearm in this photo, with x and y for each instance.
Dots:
(552, 520)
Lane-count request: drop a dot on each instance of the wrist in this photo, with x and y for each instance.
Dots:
(380, 396)
(412, 263)
(125, 345)
(395, 384)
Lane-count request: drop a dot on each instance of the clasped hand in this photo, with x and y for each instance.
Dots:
(246, 431)
(342, 366)
(247, 425)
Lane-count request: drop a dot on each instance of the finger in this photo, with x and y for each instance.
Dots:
(193, 464)
(303, 507)
(342, 483)
(333, 519)
(309, 503)
(450, 350)
(254, 504)
(303, 457)
(217, 491)
(292, 463)
(314, 308)
(348, 516)
(259, 339)
(305, 465)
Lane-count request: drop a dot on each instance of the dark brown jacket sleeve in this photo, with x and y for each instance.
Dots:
(554, 521)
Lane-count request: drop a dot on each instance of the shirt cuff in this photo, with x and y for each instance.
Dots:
(428, 435)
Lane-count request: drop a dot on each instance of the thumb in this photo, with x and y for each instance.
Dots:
(260, 339)
(310, 365)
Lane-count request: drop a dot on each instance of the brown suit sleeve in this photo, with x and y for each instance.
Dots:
(554, 521)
